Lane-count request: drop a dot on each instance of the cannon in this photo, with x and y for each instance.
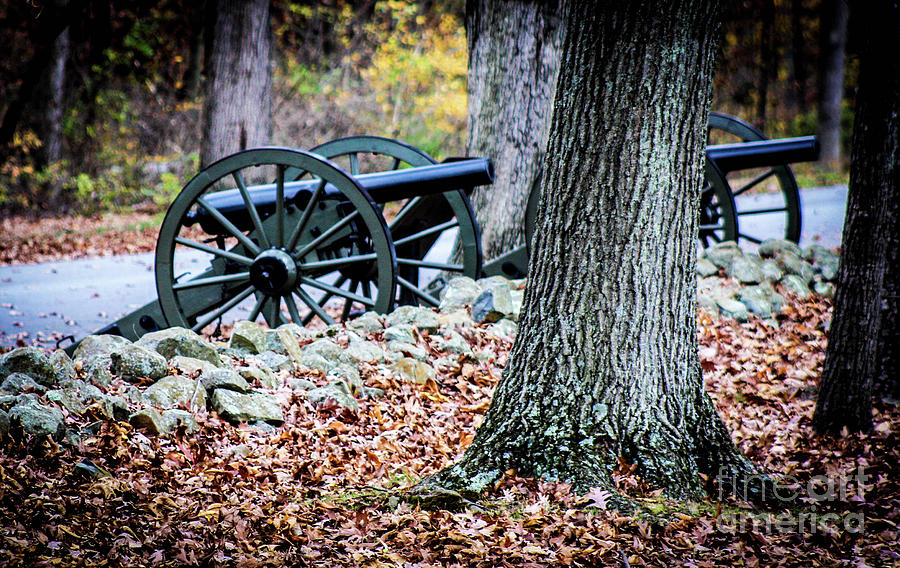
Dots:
(353, 225)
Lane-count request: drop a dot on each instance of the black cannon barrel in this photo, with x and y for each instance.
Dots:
(386, 186)
(764, 153)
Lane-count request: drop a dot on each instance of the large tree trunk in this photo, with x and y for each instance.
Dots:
(605, 364)
(833, 39)
(514, 50)
(238, 106)
(863, 340)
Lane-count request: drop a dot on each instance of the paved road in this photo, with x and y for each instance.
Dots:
(77, 297)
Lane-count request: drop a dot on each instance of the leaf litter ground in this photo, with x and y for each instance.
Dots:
(327, 488)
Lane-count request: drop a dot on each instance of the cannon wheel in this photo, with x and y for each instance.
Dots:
(721, 213)
(286, 258)
(420, 221)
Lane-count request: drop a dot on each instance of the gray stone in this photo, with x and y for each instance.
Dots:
(7, 401)
(483, 355)
(180, 341)
(175, 418)
(17, 383)
(325, 348)
(757, 300)
(261, 374)
(503, 328)
(63, 366)
(448, 364)
(816, 253)
(404, 332)
(369, 322)
(149, 420)
(793, 264)
(295, 383)
(745, 270)
(456, 318)
(175, 390)
(733, 309)
(250, 407)
(772, 247)
(705, 267)
(372, 392)
(421, 318)
(4, 424)
(413, 371)
(704, 301)
(349, 374)
(452, 342)
(94, 346)
(274, 361)
(460, 292)
(68, 400)
(286, 340)
(362, 351)
(796, 285)
(723, 254)
(493, 304)
(135, 361)
(397, 350)
(337, 390)
(825, 289)
(190, 366)
(37, 419)
(771, 270)
(313, 361)
(30, 361)
(224, 379)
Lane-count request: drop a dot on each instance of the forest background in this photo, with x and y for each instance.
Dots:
(122, 128)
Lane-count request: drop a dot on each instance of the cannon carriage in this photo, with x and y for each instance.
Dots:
(364, 223)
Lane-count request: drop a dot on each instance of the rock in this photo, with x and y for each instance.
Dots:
(190, 366)
(4, 424)
(362, 351)
(745, 270)
(38, 419)
(493, 304)
(325, 348)
(261, 374)
(397, 350)
(17, 383)
(94, 346)
(7, 401)
(294, 383)
(149, 420)
(772, 272)
(286, 340)
(460, 292)
(706, 302)
(180, 341)
(175, 418)
(224, 379)
(175, 390)
(452, 319)
(250, 407)
(733, 309)
(134, 361)
(68, 400)
(421, 318)
(772, 247)
(756, 299)
(349, 374)
(274, 361)
(452, 342)
(793, 264)
(337, 390)
(825, 289)
(723, 254)
(32, 362)
(369, 322)
(825, 262)
(63, 366)
(413, 371)
(248, 336)
(796, 285)
(448, 364)
(503, 328)
(403, 332)
(705, 267)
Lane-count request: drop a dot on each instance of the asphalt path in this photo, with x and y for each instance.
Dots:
(40, 302)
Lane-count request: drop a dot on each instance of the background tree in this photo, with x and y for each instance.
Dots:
(833, 38)
(238, 105)
(514, 50)
(864, 338)
(604, 368)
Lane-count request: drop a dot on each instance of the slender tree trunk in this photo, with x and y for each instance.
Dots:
(514, 50)
(863, 339)
(238, 106)
(50, 97)
(605, 366)
(767, 61)
(833, 37)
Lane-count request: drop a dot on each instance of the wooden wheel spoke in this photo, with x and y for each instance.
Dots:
(749, 238)
(314, 306)
(761, 211)
(257, 308)
(327, 234)
(251, 208)
(407, 207)
(426, 264)
(755, 181)
(335, 263)
(215, 251)
(395, 165)
(222, 309)
(229, 226)
(279, 206)
(345, 313)
(427, 232)
(424, 296)
(354, 163)
(198, 282)
(337, 291)
(292, 308)
(307, 213)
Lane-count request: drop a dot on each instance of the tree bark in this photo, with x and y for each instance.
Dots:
(833, 38)
(238, 105)
(514, 50)
(605, 365)
(863, 339)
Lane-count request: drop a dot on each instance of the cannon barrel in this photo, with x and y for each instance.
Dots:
(763, 153)
(393, 185)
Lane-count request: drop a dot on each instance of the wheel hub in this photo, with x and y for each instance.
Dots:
(273, 272)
